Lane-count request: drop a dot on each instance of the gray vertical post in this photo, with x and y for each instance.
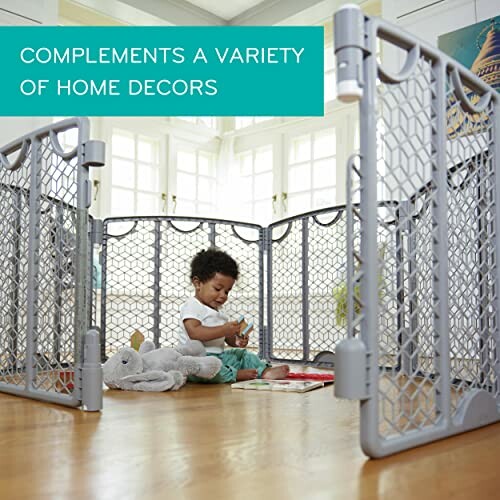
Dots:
(156, 285)
(369, 265)
(262, 279)
(104, 256)
(83, 201)
(90, 277)
(352, 274)
(91, 373)
(410, 362)
(482, 238)
(33, 261)
(212, 234)
(401, 213)
(495, 146)
(269, 332)
(440, 242)
(96, 239)
(13, 332)
(305, 289)
(350, 268)
(58, 269)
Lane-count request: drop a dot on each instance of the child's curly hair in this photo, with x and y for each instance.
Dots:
(208, 262)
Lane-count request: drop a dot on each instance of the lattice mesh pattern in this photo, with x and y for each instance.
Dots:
(327, 270)
(472, 232)
(287, 291)
(409, 335)
(93, 280)
(406, 347)
(14, 216)
(146, 275)
(53, 220)
(128, 277)
(56, 286)
(308, 273)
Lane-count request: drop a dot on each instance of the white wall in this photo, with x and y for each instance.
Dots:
(429, 19)
(24, 12)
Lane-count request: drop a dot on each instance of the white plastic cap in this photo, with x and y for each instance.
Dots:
(349, 6)
(349, 91)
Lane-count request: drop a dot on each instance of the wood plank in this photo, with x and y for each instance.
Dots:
(211, 442)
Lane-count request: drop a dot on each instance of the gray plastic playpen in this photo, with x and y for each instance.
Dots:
(397, 290)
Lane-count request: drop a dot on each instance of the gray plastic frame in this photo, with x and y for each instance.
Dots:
(435, 372)
(48, 351)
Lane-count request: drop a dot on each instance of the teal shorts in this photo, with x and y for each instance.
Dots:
(232, 361)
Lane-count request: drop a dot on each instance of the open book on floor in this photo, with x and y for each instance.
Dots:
(278, 385)
(326, 378)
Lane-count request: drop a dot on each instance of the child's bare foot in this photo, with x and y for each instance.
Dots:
(276, 372)
(248, 374)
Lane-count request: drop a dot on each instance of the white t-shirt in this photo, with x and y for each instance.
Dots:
(194, 309)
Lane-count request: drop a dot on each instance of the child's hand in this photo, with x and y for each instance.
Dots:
(245, 328)
(241, 341)
(232, 328)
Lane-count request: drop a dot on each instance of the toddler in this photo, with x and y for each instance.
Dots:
(213, 274)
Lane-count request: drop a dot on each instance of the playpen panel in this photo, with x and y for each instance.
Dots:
(43, 219)
(146, 268)
(307, 290)
(286, 291)
(128, 280)
(307, 287)
(326, 274)
(407, 391)
(440, 177)
(472, 236)
(14, 217)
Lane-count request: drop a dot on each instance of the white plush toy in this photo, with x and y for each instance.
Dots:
(157, 370)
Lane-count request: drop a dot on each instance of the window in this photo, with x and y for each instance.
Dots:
(329, 62)
(196, 183)
(247, 121)
(134, 174)
(255, 175)
(330, 80)
(312, 172)
(208, 121)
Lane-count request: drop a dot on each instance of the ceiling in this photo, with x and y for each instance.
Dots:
(190, 12)
(226, 10)
(198, 12)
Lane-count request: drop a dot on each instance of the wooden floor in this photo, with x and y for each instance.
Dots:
(212, 442)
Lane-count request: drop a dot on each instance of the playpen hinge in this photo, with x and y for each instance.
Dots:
(97, 231)
(265, 237)
(94, 153)
(352, 369)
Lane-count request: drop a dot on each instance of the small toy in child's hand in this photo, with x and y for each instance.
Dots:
(246, 331)
(245, 328)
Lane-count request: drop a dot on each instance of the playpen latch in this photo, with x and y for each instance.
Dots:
(351, 369)
(94, 153)
(97, 231)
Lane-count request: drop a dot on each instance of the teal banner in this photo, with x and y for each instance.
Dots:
(161, 71)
